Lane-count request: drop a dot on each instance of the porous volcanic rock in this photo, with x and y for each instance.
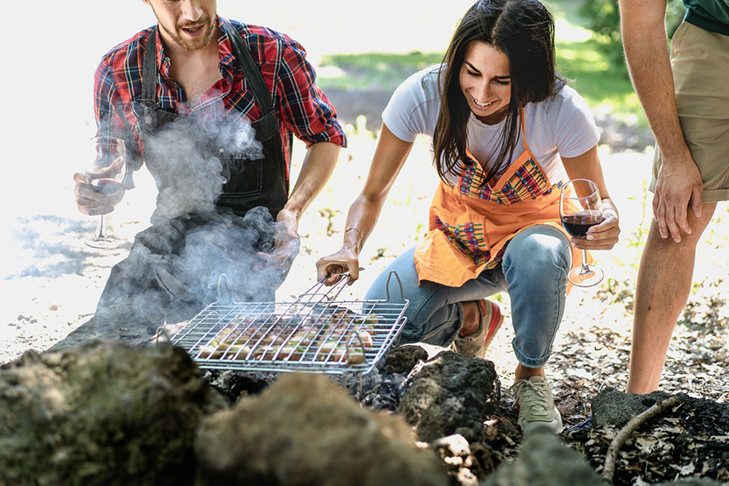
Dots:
(688, 441)
(103, 413)
(304, 430)
(544, 460)
(449, 394)
(613, 407)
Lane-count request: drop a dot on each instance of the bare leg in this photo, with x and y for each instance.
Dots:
(524, 373)
(471, 318)
(664, 282)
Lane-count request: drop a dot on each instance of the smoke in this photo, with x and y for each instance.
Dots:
(176, 265)
(225, 245)
(189, 156)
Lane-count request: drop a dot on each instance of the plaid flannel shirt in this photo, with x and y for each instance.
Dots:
(302, 108)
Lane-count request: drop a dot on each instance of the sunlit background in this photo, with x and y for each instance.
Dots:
(49, 57)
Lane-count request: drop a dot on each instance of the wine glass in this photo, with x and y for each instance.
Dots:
(105, 174)
(579, 209)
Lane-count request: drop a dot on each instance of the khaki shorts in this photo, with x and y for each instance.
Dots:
(700, 61)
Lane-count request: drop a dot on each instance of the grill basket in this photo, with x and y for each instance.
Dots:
(315, 333)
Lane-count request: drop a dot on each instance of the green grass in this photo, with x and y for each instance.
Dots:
(373, 70)
(604, 88)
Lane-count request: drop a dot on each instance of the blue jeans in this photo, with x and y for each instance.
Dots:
(533, 271)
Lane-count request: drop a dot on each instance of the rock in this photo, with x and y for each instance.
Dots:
(402, 359)
(102, 413)
(449, 394)
(613, 407)
(691, 482)
(466, 464)
(305, 430)
(544, 460)
(380, 389)
(689, 440)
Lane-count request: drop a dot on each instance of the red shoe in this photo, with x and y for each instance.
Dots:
(476, 344)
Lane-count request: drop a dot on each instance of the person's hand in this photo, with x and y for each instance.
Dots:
(678, 186)
(602, 236)
(333, 267)
(90, 201)
(286, 244)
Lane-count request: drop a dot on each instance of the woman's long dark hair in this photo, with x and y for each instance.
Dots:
(524, 31)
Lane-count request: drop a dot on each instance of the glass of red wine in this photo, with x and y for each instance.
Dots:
(579, 209)
(105, 175)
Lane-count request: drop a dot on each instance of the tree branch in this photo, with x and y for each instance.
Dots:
(608, 469)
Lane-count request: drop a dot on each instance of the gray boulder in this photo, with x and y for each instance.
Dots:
(305, 430)
(102, 413)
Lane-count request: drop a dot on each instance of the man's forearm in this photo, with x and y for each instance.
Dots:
(317, 168)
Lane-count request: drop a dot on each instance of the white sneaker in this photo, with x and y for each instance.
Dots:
(536, 405)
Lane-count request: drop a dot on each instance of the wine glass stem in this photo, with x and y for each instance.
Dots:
(585, 267)
(102, 227)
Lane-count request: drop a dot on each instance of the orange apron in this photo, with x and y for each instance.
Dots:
(471, 223)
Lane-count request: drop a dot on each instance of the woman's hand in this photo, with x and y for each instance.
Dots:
(389, 157)
(333, 267)
(602, 236)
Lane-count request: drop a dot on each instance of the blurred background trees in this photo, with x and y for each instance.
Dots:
(602, 17)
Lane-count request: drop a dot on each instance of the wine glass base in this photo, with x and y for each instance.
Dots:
(105, 243)
(586, 276)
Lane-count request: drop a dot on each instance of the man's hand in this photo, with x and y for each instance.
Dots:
(678, 186)
(287, 243)
(90, 201)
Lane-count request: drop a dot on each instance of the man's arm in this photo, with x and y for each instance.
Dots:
(646, 52)
(316, 170)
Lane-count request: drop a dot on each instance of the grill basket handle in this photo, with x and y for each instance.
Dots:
(387, 285)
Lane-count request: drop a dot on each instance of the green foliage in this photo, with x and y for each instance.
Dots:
(374, 70)
(595, 66)
(604, 22)
(589, 71)
(602, 17)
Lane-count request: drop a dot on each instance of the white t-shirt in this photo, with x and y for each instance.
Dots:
(559, 126)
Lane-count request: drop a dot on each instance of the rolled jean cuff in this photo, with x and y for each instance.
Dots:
(527, 361)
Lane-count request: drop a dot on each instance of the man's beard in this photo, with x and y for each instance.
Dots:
(193, 44)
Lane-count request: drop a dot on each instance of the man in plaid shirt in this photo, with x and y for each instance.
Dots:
(210, 106)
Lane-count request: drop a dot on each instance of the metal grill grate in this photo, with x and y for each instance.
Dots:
(315, 333)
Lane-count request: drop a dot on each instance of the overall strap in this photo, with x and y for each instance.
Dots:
(149, 71)
(149, 78)
(250, 70)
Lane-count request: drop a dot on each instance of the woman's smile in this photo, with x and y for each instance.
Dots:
(485, 79)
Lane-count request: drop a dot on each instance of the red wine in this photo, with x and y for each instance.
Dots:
(578, 224)
(106, 186)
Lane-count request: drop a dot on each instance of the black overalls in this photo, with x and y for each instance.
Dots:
(174, 266)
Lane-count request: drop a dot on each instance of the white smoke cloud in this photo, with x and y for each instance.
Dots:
(189, 177)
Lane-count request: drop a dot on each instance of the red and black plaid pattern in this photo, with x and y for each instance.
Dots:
(302, 108)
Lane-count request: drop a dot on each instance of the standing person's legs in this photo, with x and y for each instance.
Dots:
(700, 63)
(664, 282)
